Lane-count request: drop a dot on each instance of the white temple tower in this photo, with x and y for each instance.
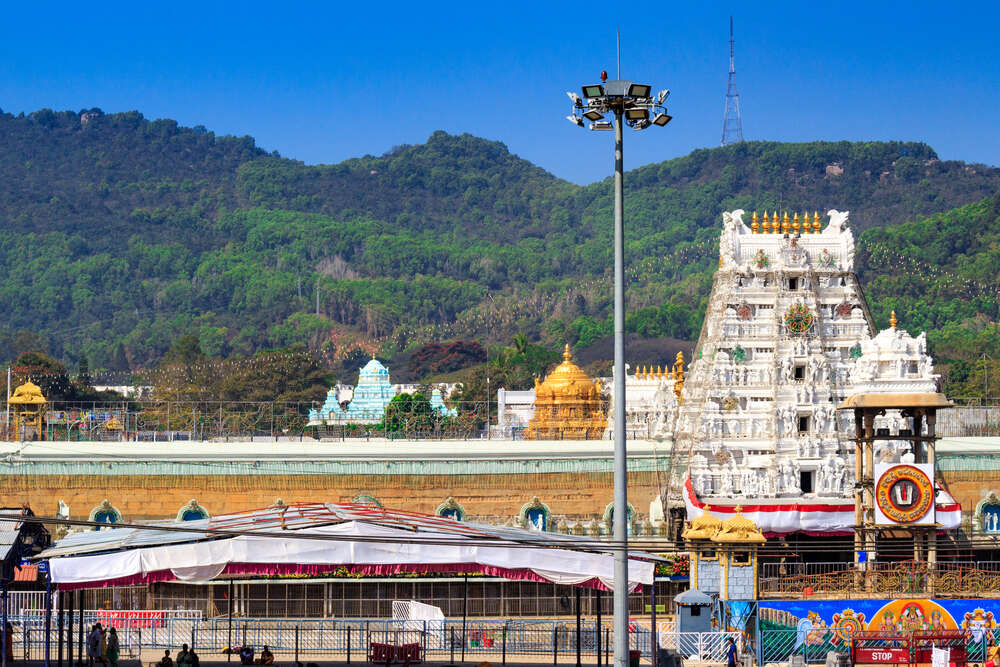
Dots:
(785, 322)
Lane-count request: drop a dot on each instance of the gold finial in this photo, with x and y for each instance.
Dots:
(373, 356)
(785, 224)
(817, 225)
(638, 372)
(806, 227)
(738, 508)
(566, 354)
(659, 372)
(755, 226)
(775, 223)
(795, 224)
(766, 227)
(892, 319)
(707, 507)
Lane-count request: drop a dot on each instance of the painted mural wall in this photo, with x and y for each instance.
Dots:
(819, 621)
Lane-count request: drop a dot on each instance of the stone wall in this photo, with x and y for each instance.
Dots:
(143, 497)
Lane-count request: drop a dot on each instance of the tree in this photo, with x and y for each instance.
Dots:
(83, 371)
(47, 373)
(408, 412)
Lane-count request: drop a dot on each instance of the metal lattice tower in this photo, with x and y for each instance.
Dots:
(732, 126)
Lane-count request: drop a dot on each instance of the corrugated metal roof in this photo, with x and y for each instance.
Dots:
(298, 517)
(27, 573)
(10, 528)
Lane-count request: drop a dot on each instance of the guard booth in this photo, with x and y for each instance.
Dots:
(908, 648)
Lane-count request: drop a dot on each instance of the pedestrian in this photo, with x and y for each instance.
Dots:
(182, 657)
(731, 653)
(113, 647)
(94, 641)
(166, 660)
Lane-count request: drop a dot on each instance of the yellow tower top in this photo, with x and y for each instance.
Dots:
(892, 319)
(28, 393)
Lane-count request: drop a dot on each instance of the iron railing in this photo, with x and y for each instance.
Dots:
(882, 579)
(350, 639)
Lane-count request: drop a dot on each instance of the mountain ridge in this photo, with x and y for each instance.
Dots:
(119, 234)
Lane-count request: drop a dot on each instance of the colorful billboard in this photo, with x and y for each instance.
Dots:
(815, 620)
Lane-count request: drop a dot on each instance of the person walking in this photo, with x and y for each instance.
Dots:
(113, 647)
(731, 655)
(94, 641)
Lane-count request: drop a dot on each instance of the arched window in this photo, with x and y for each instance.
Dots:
(105, 513)
(987, 517)
(192, 512)
(365, 498)
(536, 515)
(609, 518)
(451, 509)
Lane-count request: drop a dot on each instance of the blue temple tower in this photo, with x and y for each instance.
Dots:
(438, 406)
(371, 396)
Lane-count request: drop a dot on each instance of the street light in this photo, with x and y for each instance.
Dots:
(631, 103)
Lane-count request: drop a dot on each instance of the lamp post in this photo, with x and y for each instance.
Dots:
(631, 104)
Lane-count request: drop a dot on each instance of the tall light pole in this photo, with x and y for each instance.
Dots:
(632, 104)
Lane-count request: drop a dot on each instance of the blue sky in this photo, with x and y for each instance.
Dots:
(322, 82)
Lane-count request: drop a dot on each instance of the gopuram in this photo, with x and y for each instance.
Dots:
(567, 405)
(786, 339)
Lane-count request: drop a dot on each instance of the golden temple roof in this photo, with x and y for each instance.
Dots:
(28, 393)
(702, 527)
(567, 382)
(739, 529)
(568, 405)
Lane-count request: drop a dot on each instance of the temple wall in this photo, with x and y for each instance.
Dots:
(142, 497)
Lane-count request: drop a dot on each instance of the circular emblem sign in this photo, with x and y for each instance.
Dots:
(904, 494)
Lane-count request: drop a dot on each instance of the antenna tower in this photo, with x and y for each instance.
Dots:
(732, 126)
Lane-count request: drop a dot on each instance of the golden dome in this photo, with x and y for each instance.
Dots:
(702, 527)
(568, 405)
(567, 381)
(28, 393)
(739, 529)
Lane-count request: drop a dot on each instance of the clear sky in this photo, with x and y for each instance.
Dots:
(327, 81)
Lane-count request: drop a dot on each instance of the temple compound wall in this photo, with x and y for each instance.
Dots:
(570, 489)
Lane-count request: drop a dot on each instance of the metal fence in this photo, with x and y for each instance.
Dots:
(902, 579)
(351, 638)
(812, 645)
(776, 646)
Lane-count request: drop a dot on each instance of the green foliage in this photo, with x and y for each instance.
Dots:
(941, 274)
(128, 234)
(409, 412)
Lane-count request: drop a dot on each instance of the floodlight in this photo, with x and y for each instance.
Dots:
(573, 96)
(602, 125)
(576, 120)
(663, 95)
(593, 114)
(639, 90)
(636, 114)
(662, 119)
(596, 90)
(640, 125)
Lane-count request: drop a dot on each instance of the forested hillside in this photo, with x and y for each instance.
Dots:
(942, 275)
(118, 235)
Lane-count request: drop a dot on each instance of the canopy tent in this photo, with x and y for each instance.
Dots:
(322, 538)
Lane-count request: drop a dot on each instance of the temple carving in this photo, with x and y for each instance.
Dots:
(568, 405)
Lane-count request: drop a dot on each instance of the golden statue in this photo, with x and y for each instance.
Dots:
(28, 403)
(567, 405)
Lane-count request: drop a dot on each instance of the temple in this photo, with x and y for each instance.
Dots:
(786, 339)
(568, 405)
(372, 394)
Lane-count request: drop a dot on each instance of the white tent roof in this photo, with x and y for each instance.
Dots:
(318, 539)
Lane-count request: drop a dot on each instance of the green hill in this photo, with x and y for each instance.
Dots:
(119, 234)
